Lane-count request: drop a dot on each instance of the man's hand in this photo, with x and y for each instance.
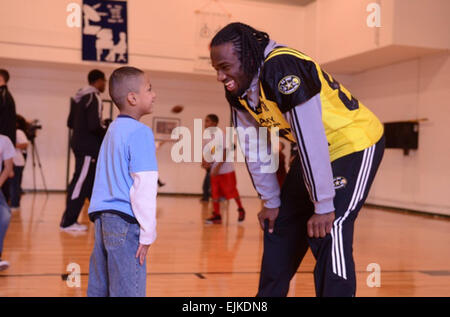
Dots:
(268, 213)
(142, 252)
(320, 224)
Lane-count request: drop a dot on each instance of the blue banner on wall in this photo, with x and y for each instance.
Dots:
(105, 37)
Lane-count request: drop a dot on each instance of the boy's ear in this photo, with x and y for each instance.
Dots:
(131, 98)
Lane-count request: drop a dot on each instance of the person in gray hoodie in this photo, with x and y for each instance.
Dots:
(88, 130)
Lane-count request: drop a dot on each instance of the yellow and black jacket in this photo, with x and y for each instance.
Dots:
(293, 93)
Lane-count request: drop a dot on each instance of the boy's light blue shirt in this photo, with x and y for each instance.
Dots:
(128, 147)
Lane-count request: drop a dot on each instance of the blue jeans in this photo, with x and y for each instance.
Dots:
(5, 217)
(113, 269)
(15, 188)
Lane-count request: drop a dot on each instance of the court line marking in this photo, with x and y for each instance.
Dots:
(201, 275)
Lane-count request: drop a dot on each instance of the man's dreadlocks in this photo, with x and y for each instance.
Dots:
(248, 43)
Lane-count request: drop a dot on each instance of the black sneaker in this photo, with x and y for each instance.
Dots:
(215, 219)
(241, 214)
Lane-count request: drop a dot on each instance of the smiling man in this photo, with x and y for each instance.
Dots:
(340, 145)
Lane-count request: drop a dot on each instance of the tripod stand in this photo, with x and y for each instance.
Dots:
(36, 158)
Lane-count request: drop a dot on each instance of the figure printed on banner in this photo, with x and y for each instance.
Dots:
(105, 31)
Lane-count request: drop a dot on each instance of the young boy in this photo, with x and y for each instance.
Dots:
(223, 179)
(123, 203)
(7, 153)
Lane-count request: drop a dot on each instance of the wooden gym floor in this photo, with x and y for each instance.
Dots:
(193, 259)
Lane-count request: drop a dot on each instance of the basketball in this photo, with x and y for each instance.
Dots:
(177, 109)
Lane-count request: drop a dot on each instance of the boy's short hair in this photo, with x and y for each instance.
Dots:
(214, 118)
(95, 75)
(121, 83)
(4, 73)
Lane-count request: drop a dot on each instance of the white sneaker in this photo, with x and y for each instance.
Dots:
(75, 227)
(4, 265)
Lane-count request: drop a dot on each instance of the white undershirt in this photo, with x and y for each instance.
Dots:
(143, 202)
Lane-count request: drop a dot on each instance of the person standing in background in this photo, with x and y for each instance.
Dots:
(7, 108)
(85, 119)
(222, 176)
(23, 125)
(15, 186)
(206, 187)
(6, 156)
(7, 117)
